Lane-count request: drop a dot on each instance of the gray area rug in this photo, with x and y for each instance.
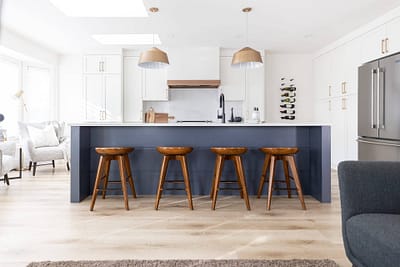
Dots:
(189, 263)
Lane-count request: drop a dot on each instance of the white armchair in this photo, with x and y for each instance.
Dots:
(9, 160)
(35, 154)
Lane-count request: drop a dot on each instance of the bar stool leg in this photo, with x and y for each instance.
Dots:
(219, 163)
(130, 178)
(238, 163)
(163, 173)
(123, 180)
(97, 181)
(296, 179)
(213, 179)
(271, 180)
(238, 177)
(263, 174)
(185, 172)
(106, 173)
(287, 177)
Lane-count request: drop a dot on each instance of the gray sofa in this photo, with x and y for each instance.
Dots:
(370, 199)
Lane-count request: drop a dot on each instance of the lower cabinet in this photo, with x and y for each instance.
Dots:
(103, 96)
(341, 113)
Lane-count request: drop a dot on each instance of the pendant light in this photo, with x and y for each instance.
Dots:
(247, 57)
(153, 58)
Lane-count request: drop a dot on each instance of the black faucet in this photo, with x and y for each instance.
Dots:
(222, 105)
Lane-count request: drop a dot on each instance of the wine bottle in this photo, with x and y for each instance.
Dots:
(288, 117)
(289, 88)
(287, 105)
(288, 111)
(288, 100)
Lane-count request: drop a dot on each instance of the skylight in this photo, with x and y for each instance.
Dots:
(127, 39)
(101, 8)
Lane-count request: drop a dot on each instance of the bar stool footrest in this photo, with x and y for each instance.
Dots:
(174, 181)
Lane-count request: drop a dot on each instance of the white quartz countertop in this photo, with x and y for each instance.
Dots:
(198, 124)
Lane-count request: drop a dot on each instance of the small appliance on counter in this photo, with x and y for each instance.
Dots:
(235, 119)
(221, 109)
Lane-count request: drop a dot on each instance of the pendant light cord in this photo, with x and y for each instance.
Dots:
(247, 28)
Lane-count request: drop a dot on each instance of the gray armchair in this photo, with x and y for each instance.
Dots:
(370, 199)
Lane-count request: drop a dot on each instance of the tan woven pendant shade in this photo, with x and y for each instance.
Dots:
(247, 58)
(153, 58)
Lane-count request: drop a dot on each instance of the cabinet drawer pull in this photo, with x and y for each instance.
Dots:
(386, 45)
(330, 90)
(383, 46)
(344, 103)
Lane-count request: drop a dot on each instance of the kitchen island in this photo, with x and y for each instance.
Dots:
(313, 159)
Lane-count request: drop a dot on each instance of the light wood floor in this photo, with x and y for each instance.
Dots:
(37, 222)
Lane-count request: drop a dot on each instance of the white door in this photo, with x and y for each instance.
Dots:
(232, 80)
(392, 33)
(92, 64)
(156, 88)
(353, 61)
(112, 63)
(351, 127)
(372, 44)
(133, 78)
(113, 97)
(93, 85)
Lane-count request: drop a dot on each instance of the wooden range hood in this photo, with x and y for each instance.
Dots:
(193, 83)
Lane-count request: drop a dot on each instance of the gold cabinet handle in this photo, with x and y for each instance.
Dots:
(382, 46)
(386, 45)
(330, 105)
(330, 90)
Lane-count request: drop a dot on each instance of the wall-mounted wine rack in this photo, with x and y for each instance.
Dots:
(288, 99)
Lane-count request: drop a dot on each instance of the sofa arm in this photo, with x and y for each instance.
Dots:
(369, 187)
(9, 148)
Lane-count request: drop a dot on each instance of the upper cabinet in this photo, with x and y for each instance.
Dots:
(102, 64)
(381, 41)
(193, 63)
(232, 81)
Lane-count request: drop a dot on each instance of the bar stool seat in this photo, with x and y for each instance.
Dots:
(107, 154)
(234, 154)
(174, 153)
(286, 155)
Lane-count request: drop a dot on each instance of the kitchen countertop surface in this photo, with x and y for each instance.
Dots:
(198, 124)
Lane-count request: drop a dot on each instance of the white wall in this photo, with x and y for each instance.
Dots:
(297, 66)
(71, 88)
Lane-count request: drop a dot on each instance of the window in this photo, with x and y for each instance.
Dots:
(10, 104)
(37, 94)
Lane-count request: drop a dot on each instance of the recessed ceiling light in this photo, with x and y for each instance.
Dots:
(101, 8)
(127, 39)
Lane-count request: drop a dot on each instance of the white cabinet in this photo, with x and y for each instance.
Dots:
(232, 81)
(103, 97)
(381, 41)
(322, 79)
(102, 64)
(133, 77)
(392, 41)
(155, 86)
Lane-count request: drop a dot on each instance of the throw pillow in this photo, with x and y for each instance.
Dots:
(43, 137)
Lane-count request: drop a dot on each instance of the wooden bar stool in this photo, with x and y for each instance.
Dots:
(107, 154)
(174, 153)
(234, 154)
(286, 154)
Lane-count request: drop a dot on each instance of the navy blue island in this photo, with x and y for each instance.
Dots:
(313, 159)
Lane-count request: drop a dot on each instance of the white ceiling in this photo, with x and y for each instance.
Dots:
(275, 25)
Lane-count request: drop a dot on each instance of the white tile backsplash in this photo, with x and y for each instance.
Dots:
(194, 104)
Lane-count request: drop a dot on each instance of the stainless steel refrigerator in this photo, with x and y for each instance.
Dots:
(379, 109)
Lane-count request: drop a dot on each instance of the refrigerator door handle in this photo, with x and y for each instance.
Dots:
(377, 143)
(378, 97)
(382, 96)
(373, 125)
